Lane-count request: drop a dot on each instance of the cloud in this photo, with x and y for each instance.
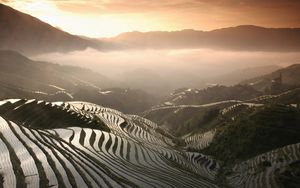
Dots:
(162, 70)
(196, 14)
(133, 6)
(106, 18)
(197, 61)
(140, 6)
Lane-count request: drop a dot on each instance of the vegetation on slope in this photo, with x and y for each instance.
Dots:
(131, 101)
(290, 177)
(256, 132)
(182, 121)
(212, 94)
(21, 77)
(289, 78)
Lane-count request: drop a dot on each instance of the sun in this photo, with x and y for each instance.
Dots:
(44, 10)
(89, 25)
(95, 26)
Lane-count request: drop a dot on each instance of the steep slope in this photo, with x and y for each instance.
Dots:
(160, 81)
(235, 77)
(277, 168)
(193, 110)
(291, 96)
(289, 77)
(242, 135)
(19, 71)
(126, 100)
(26, 34)
(245, 37)
(189, 96)
(184, 119)
(256, 131)
(132, 154)
(21, 77)
(80, 144)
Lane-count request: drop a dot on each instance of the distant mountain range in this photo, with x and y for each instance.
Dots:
(240, 38)
(236, 76)
(243, 90)
(29, 35)
(23, 72)
(290, 77)
(60, 125)
(26, 34)
(21, 77)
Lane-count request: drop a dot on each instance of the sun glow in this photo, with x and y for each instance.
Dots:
(90, 25)
(107, 18)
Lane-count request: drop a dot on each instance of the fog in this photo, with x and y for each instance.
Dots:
(168, 69)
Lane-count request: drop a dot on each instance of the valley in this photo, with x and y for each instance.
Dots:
(88, 101)
(75, 131)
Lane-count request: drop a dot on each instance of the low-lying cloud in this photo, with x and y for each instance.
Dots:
(178, 68)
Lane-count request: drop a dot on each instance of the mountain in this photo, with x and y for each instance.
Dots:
(258, 143)
(244, 37)
(80, 144)
(266, 128)
(137, 78)
(26, 34)
(124, 99)
(21, 77)
(215, 93)
(236, 76)
(285, 78)
(181, 120)
(123, 151)
(22, 72)
(159, 81)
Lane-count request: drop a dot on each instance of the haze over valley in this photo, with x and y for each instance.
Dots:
(165, 93)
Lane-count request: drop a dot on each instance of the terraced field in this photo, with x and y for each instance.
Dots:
(123, 151)
(264, 170)
(80, 144)
(199, 141)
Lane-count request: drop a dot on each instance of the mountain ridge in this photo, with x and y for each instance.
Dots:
(27, 34)
(21, 77)
(239, 38)
(17, 30)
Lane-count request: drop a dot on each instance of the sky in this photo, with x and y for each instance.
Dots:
(108, 18)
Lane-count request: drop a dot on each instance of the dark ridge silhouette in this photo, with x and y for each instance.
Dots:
(26, 34)
(235, 77)
(240, 38)
(289, 77)
(40, 76)
(21, 77)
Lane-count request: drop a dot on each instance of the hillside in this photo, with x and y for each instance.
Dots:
(192, 110)
(21, 77)
(176, 109)
(181, 120)
(257, 131)
(132, 154)
(80, 144)
(189, 96)
(235, 77)
(289, 77)
(244, 37)
(22, 72)
(26, 34)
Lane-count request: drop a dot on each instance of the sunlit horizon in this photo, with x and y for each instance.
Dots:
(109, 18)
